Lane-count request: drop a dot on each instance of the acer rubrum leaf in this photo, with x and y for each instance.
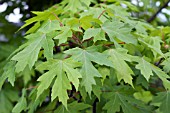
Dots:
(145, 69)
(63, 72)
(163, 101)
(88, 71)
(9, 72)
(97, 33)
(123, 71)
(116, 29)
(29, 55)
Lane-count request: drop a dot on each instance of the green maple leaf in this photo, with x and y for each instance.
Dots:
(22, 103)
(162, 75)
(97, 33)
(122, 69)
(40, 17)
(64, 72)
(145, 68)
(29, 55)
(75, 5)
(36, 102)
(126, 102)
(88, 71)
(65, 33)
(50, 25)
(153, 43)
(33, 28)
(166, 64)
(163, 101)
(9, 72)
(73, 107)
(116, 29)
(86, 21)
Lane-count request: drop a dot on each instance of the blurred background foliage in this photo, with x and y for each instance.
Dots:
(13, 13)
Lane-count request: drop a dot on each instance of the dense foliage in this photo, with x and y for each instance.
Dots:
(81, 55)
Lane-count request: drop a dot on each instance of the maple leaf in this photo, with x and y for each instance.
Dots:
(74, 5)
(126, 102)
(73, 107)
(97, 33)
(145, 69)
(40, 17)
(86, 21)
(9, 72)
(50, 25)
(163, 101)
(65, 33)
(64, 72)
(166, 64)
(122, 69)
(88, 71)
(162, 75)
(153, 43)
(22, 103)
(29, 55)
(116, 29)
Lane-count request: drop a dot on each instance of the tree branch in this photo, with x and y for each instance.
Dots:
(160, 9)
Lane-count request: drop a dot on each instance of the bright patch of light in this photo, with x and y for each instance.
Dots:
(141, 4)
(158, 3)
(25, 6)
(16, 11)
(3, 7)
(166, 11)
(134, 2)
(162, 17)
(14, 17)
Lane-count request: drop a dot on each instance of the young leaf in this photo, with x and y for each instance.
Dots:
(65, 72)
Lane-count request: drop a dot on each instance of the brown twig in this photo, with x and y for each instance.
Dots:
(58, 19)
(160, 9)
(101, 13)
(31, 87)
